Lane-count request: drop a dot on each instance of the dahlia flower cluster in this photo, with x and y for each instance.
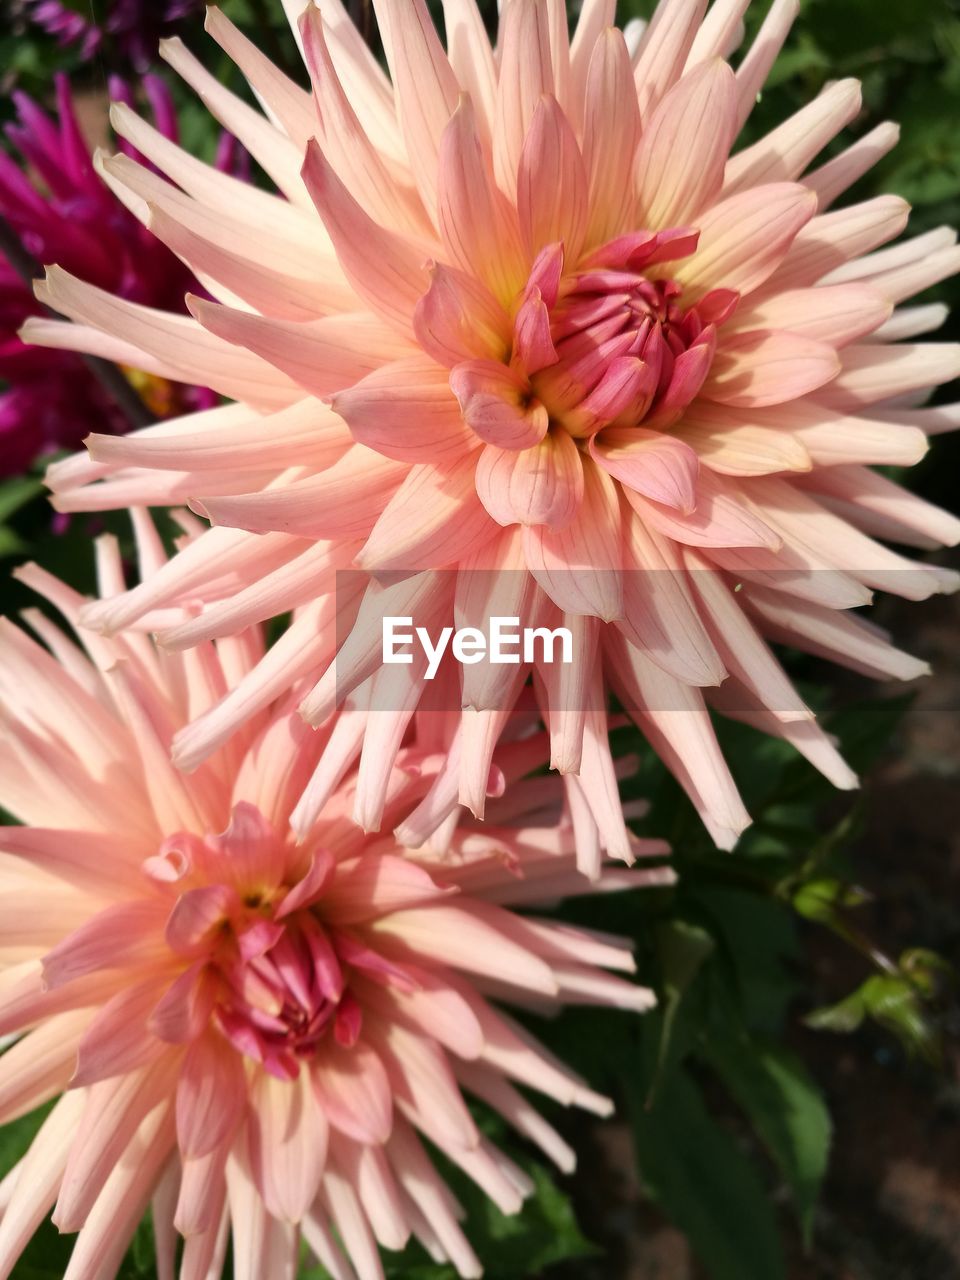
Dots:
(518, 333)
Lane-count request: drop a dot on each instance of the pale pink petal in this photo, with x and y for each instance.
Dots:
(456, 319)
(551, 183)
(661, 467)
(289, 103)
(831, 239)
(424, 84)
(434, 518)
(767, 366)
(288, 1144)
(579, 566)
(113, 1114)
(406, 411)
(541, 485)
(346, 144)
(742, 649)
(663, 50)
(526, 74)
(720, 519)
(873, 373)
(497, 404)
(784, 153)
(385, 268)
(660, 616)
(684, 147)
(353, 1092)
(320, 356)
(837, 314)
(472, 60)
(211, 1096)
(745, 238)
(840, 173)
(478, 227)
(190, 354)
(755, 67)
(611, 128)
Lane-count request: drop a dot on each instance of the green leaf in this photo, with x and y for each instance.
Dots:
(705, 1184)
(682, 948)
(16, 493)
(785, 1108)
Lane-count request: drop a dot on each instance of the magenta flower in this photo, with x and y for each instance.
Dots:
(252, 1031)
(134, 26)
(65, 213)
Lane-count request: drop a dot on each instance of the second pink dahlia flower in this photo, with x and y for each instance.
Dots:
(252, 1034)
(526, 311)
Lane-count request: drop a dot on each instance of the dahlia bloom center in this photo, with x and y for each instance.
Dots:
(263, 968)
(627, 347)
(605, 356)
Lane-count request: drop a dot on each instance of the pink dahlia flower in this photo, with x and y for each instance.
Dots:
(525, 311)
(252, 1033)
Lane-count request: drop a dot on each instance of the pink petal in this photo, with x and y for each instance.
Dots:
(198, 916)
(785, 152)
(663, 50)
(211, 1096)
(320, 356)
(288, 1144)
(377, 884)
(406, 411)
(533, 346)
(353, 1092)
(385, 268)
(720, 519)
(526, 74)
(434, 519)
(769, 367)
(836, 314)
(346, 143)
(309, 889)
(685, 145)
(660, 616)
(610, 134)
(624, 393)
(478, 228)
(551, 183)
(425, 87)
(118, 1039)
(542, 485)
(497, 405)
(185, 1008)
(579, 566)
(456, 319)
(661, 467)
(118, 937)
(745, 238)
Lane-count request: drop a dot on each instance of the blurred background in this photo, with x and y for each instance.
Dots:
(792, 1111)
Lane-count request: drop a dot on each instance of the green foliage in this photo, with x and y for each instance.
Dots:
(785, 1108)
(903, 999)
(704, 1181)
